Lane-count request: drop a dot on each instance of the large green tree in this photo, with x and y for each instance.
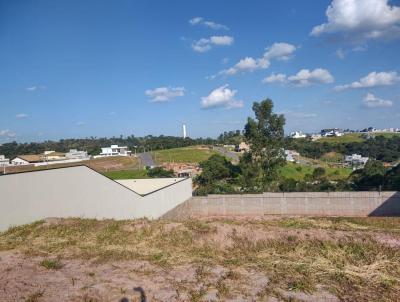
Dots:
(265, 135)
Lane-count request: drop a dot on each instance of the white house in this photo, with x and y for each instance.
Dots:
(75, 154)
(291, 155)
(356, 160)
(331, 132)
(115, 150)
(29, 159)
(297, 134)
(4, 162)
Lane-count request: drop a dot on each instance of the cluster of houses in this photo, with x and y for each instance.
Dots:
(54, 157)
(332, 132)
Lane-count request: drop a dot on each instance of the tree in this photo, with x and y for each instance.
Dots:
(265, 135)
(369, 178)
(217, 175)
(160, 172)
(318, 173)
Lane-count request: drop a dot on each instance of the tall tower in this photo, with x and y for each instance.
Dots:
(184, 131)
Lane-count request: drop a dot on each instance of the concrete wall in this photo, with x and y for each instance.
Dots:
(80, 192)
(301, 203)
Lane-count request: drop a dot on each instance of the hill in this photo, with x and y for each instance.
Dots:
(193, 154)
(270, 259)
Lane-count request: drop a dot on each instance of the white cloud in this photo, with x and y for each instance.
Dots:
(207, 23)
(277, 51)
(221, 97)
(21, 115)
(221, 40)
(304, 77)
(204, 44)
(164, 94)
(35, 88)
(371, 101)
(7, 133)
(273, 78)
(361, 20)
(373, 79)
(280, 51)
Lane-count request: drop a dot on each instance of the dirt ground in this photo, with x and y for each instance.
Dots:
(214, 260)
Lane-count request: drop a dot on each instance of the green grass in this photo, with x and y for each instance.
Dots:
(126, 174)
(182, 155)
(51, 264)
(347, 138)
(298, 172)
(355, 137)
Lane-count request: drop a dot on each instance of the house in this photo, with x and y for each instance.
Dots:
(242, 147)
(356, 160)
(4, 162)
(29, 159)
(297, 134)
(53, 155)
(115, 150)
(75, 154)
(291, 155)
(331, 132)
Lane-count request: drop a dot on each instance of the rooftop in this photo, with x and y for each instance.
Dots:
(146, 186)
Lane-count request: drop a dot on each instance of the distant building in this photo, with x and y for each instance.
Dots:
(183, 169)
(53, 155)
(315, 137)
(291, 155)
(4, 162)
(242, 147)
(331, 132)
(356, 160)
(297, 134)
(75, 154)
(29, 159)
(115, 150)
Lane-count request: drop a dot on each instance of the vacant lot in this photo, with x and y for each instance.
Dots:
(183, 155)
(299, 171)
(271, 259)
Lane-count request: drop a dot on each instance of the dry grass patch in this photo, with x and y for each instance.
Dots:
(304, 255)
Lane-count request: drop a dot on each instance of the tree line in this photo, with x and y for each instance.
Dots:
(93, 144)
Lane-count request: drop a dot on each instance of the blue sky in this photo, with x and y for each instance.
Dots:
(104, 68)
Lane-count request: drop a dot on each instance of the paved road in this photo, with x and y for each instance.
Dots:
(229, 154)
(146, 159)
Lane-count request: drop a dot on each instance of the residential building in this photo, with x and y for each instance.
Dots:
(331, 132)
(115, 150)
(291, 155)
(297, 134)
(53, 155)
(356, 160)
(242, 147)
(29, 159)
(4, 162)
(75, 154)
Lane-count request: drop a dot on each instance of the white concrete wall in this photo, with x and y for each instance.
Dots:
(80, 192)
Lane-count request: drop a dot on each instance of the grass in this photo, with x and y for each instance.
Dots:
(299, 171)
(340, 255)
(126, 174)
(355, 137)
(183, 155)
(347, 138)
(51, 263)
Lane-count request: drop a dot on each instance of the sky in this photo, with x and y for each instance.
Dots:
(71, 69)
